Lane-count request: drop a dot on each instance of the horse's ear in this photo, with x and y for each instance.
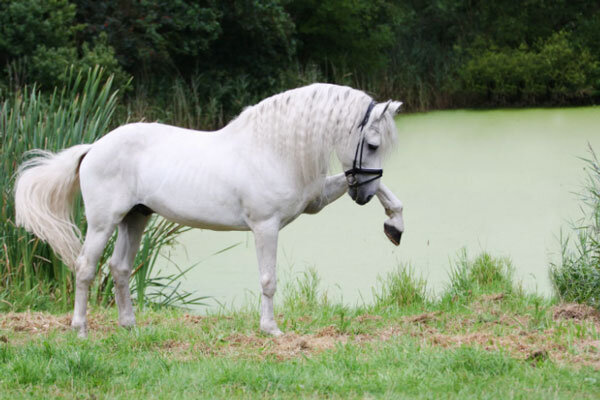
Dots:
(395, 107)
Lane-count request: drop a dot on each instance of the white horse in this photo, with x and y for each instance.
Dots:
(258, 173)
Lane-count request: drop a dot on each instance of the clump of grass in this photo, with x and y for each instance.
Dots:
(302, 293)
(576, 276)
(400, 288)
(484, 274)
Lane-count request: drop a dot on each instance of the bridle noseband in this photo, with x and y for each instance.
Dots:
(352, 172)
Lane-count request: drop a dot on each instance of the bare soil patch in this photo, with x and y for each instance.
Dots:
(578, 312)
(493, 297)
(33, 322)
(425, 317)
(289, 345)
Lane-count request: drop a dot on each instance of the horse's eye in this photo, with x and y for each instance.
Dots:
(373, 147)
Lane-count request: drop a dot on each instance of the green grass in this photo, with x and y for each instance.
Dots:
(133, 365)
(401, 287)
(487, 344)
(484, 274)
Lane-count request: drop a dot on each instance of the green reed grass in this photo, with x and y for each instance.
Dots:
(81, 112)
(576, 276)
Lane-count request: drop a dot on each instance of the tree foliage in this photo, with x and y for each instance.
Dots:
(227, 53)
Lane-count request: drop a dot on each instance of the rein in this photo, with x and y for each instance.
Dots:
(352, 172)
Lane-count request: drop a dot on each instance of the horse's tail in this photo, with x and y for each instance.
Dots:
(45, 190)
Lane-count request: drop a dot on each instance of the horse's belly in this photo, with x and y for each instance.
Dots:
(216, 220)
(199, 210)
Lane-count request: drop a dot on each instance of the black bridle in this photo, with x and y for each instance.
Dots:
(352, 172)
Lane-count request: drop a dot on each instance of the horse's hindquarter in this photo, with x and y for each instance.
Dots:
(168, 169)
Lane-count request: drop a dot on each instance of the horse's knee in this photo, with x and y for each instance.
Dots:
(269, 284)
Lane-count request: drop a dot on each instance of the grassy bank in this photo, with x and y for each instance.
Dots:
(484, 338)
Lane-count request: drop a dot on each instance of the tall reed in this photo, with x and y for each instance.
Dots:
(576, 276)
(81, 112)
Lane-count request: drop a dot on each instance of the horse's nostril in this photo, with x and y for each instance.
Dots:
(369, 197)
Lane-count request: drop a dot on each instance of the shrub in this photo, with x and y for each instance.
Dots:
(40, 36)
(576, 276)
(553, 71)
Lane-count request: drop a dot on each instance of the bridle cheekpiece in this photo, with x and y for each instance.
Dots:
(358, 169)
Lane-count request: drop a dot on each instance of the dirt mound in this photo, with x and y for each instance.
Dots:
(578, 312)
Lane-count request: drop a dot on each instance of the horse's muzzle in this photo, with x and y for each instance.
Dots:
(360, 197)
(361, 201)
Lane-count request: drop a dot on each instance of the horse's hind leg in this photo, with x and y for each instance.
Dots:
(85, 270)
(130, 233)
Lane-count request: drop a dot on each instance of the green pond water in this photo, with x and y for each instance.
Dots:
(498, 181)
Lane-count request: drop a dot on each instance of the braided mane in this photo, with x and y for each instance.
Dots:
(306, 125)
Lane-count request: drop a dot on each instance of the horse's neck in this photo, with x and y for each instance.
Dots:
(308, 157)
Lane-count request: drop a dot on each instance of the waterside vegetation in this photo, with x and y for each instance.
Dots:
(31, 276)
(576, 276)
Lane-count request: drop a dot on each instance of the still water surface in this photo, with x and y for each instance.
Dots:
(500, 181)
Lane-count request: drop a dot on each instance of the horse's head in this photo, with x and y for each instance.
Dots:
(363, 159)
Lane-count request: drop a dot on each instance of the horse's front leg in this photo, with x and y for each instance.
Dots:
(394, 226)
(335, 187)
(265, 237)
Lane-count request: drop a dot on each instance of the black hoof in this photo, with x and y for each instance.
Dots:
(392, 233)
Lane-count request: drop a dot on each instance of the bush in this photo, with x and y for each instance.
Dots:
(554, 71)
(39, 37)
(344, 37)
(151, 36)
(576, 277)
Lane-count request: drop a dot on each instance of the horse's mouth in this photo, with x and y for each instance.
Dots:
(359, 197)
(362, 201)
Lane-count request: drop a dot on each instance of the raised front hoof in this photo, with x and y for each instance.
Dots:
(392, 233)
(270, 328)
